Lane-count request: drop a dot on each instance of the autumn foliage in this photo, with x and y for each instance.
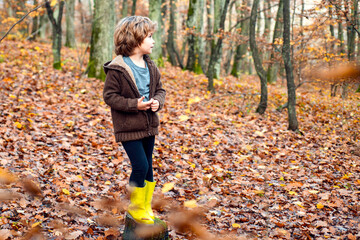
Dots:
(223, 171)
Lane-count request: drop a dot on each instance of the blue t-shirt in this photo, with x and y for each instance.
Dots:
(142, 77)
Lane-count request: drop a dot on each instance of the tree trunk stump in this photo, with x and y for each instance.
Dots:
(137, 231)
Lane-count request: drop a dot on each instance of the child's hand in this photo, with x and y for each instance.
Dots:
(144, 105)
(154, 105)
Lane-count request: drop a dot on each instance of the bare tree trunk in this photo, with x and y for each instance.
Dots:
(201, 40)
(230, 52)
(70, 26)
(293, 123)
(164, 13)
(35, 25)
(194, 26)
(191, 26)
(133, 9)
(215, 51)
(101, 49)
(267, 19)
(333, 86)
(274, 65)
(340, 30)
(9, 10)
(257, 59)
(124, 8)
(351, 40)
(241, 49)
(209, 10)
(170, 44)
(218, 7)
(155, 15)
(56, 32)
(351, 31)
(42, 26)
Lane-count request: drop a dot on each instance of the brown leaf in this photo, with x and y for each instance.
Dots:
(112, 232)
(31, 188)
(73, 235)
(6, 177)
(8, 195)
(72, 209)
(108, 220)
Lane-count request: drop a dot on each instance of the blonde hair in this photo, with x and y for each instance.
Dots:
(130, 32)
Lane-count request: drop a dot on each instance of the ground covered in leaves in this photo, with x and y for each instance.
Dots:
(223, 171)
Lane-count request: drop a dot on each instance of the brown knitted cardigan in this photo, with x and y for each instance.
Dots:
(121, 94)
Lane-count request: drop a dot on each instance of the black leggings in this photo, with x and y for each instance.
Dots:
(140, 154)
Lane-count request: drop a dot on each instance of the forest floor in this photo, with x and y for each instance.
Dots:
(222, 170)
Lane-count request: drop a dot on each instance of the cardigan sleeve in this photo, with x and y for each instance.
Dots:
(160, 92)
(112, 97)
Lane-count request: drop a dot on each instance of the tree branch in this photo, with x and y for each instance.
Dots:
(21, 20)
(347, 19)
(247, 18)
(50, 13)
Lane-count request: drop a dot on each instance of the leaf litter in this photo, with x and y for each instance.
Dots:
(228, 172)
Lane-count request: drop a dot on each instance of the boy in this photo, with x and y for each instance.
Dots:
(134, 92)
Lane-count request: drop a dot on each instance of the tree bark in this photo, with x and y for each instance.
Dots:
(133, 9)
(274, 65)
(340, 30)
(56, 32)
(209, 18)
(43, 22)
(124, 10)
(35, 25)
(292, 120)
(201, 40)
(333, 86)
(164, 13)
(70, 27)
(241, 49)
(351, 31)
(170, 44)
(155, 15)
(218, 8)
(194, 25)
(101, 49)
(171, 33)
(267, 19)
(257, 59)
(216, 50)
(230, 52)
(351, 41)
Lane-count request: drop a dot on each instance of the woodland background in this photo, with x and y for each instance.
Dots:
(259, 136)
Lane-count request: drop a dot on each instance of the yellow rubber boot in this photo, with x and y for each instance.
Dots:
(137, 206)
(150, 186)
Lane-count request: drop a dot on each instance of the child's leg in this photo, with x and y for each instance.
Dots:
(148, 144)
(139, 163)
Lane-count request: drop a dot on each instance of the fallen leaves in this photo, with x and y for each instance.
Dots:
(64, 174)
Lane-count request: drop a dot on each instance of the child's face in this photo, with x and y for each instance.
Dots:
(147, 45)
